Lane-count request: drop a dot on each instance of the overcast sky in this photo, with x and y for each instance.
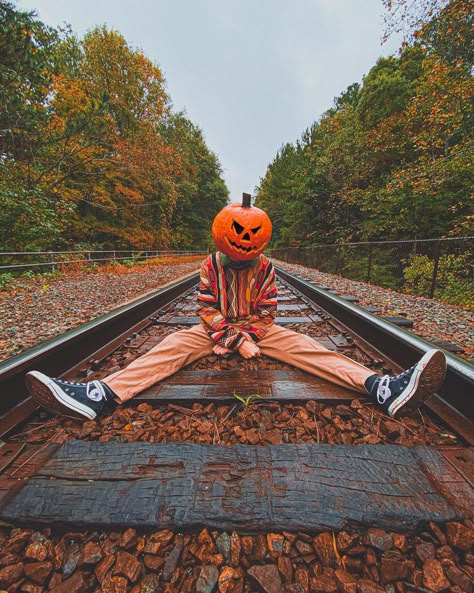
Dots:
(252, 74)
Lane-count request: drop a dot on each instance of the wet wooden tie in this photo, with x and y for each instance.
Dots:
(183, 486)
(269, 384)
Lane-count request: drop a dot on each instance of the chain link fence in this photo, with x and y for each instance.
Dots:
(440, 268)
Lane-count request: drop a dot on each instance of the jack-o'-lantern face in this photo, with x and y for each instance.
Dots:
(242, 231)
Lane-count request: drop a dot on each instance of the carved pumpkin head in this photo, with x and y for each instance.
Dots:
(242, 231)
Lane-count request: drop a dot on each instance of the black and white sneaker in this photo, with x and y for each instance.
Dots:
(413, 387)
(78, 400)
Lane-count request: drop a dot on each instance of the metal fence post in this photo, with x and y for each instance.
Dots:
(369, 263)
(338, 255)
(435, 269)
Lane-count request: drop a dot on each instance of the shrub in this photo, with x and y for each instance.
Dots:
(454, 281)
(6, 280)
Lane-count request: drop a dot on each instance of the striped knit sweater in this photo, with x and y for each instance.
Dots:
(245, 297)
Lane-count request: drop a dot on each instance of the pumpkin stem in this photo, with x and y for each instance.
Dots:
(246, 199)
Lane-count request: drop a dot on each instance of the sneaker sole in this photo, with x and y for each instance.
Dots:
(425, 381)
(43, 390)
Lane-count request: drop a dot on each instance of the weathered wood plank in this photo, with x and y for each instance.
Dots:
(184, 486)
(276, 385)
(285, 307)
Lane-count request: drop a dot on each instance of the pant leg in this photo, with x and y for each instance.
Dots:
(303, 352)
(174, 352)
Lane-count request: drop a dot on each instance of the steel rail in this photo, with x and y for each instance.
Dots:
(58, 355)
(455, 400)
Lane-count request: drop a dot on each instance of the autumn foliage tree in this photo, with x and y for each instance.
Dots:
(89, 152)
(392, 159)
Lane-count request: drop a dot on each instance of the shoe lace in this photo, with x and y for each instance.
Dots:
(383, 389)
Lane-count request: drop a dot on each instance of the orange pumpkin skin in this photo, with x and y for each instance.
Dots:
(242, 233)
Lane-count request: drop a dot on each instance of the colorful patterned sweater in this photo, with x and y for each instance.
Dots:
(246, 297)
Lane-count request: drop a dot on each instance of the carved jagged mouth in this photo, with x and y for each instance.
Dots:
(241, 247)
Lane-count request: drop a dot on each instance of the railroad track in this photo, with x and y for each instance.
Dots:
(307, 459)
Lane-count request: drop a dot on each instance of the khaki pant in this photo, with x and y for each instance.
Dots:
(186, 346)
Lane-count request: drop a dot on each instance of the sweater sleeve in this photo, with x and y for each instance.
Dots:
(266, 308)
(208, 310)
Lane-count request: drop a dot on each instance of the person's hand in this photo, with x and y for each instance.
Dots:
(221, 350)
(248, 349)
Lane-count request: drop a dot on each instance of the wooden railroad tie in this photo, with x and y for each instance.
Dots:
(220, 385)
(182, 486)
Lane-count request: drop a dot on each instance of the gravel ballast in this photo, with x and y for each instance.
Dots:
(45, 308)
(431, 318)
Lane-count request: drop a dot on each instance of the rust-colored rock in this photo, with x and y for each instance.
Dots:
(163, 537)
(152, 547)
(302, 578)
(285, 567)
(150, 584)
(152, 562)
(114, 584)
(273, 437)
(128, 566)
(128, 539)
(460, 537)
(17, 541)
(275, 542)
(400, 541)
(260, 549)
(425, 551)
(433, 576)
(292, 588)
(459, 578)
(438, 533)
(266, 577)
(27, 587)
(304, 548)
(103, 567)
(235, 549)
(324, 547)
(345, 540)
(38, 571)
(252, 436)
(395, 568)
(230, 580)
(369, 586)
(247, 545)
(74, 584)
(380, 539)
(324, 583)
(354, 564)
(370, 557)
(55, 580)
(37, 550)
(10, 574)
(205, 539)
(346, 583)
(445, 552)
(9, 558)
(207, 579)
(91, 554)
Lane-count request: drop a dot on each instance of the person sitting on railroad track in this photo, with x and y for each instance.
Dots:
(237, 305)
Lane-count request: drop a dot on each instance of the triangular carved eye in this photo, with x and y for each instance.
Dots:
(237, 227)
(256, 229)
